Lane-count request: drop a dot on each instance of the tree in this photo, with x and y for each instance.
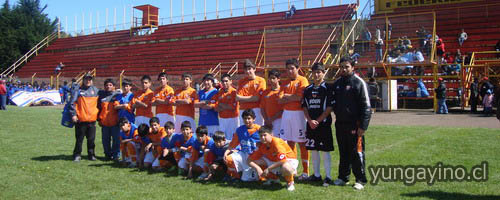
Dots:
(22, 27)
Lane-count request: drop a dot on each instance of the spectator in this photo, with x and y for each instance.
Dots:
(418, 57)
(59, 67)
(3, 95)
(291, 12)
(421, 34)
(389, 30)
(378, 50)
(474, 96)
(462, 37)
(484, 89)
(440, 93)
(440, 49)
(367, 39)
(488, 102)
(377, 34)
(448, 59)
(373, 91)
(353, 55)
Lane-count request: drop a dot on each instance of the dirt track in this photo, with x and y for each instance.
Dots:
(428, 118)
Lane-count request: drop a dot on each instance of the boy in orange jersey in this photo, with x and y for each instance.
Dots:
(293, 122)
(271, 109)
(142, 102)
(249, 91)
(153, 149)
(128, 147)
(184, 100)
(108, 120)
(163, 94)
(84, 113)
(246, 138)
(279, 158)
(227, 106)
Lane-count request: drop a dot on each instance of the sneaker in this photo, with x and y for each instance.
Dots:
(339, 182)
(314, 179)
(358, 186)
(271, 181)
(92, 158)
(77, 159)
(203, 176)
(327, 182)
(290, 187)
(303, 177)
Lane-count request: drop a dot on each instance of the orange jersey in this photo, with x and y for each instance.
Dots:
(145, 97)
(157, 137)
(269, 102)
(108, 115)
(236, 141)
(84, 104)
(277, 151)
(247, 87)
(187, 94)
(164, 93)
(228, 98)
(294, 87)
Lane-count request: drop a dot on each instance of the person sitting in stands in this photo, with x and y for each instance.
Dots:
(291, 12)
(59, 67)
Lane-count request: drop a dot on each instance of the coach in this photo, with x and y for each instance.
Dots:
(84, 111)
(352, 110)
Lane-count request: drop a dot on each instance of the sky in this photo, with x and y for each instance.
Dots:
(90, 15)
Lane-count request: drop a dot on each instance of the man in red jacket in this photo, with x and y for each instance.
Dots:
(3, 95)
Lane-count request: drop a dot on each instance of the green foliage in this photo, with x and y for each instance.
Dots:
(35, 162)
(21, 28)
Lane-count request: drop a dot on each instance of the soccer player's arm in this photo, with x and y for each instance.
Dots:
(254, 96)
(329, 107)
(232, 145)
(280, 155)
(156, 98)
(299, 91)
(262, 106)
(256, 155)
(165, 145)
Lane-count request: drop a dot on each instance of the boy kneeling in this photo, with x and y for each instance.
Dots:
(277, 155)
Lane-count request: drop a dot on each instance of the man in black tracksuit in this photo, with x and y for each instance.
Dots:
(353, 112)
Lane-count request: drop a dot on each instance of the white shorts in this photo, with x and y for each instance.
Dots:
(277, 127)
(137, 147)
(293, 162)
(293, 126)
(164, 118)
(149, 158)
(184, 164)
(181, 118)
(258, 117)
(229, 126)
(141, 120)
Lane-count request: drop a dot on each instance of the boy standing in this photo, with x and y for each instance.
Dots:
(142, 102)
(271, 109)
(108, 120)
(249, 91)
(277, 156)
(318, 105)
(208, 116)
(246, 137)
(184, 100)
(225, 103)
(124, 110)
(293, 123)
(163, 94)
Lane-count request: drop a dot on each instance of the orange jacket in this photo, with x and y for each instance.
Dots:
(84, 104)
(108, 115)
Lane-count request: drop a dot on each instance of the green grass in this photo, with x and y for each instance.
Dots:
(35, 162)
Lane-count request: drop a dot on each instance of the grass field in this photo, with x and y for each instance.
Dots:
(36, 163)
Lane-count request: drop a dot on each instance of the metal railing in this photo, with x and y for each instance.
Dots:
(33, 51)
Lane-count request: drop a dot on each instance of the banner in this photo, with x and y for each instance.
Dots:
(382, 6)
(23, 98)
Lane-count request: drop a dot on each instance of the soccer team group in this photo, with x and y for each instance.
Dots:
(248, 133)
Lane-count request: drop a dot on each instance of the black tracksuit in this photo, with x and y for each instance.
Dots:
(474, 96)
(352, 110)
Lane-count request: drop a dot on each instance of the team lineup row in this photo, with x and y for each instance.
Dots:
(293, 112)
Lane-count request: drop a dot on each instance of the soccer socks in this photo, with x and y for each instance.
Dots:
(304, 155)
(316, 160)
(289, 178)
(327, 162)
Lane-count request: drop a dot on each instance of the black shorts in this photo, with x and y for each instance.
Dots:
(320, 139)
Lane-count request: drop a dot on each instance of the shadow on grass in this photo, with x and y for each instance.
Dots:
(449, 195)
(53, 158)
